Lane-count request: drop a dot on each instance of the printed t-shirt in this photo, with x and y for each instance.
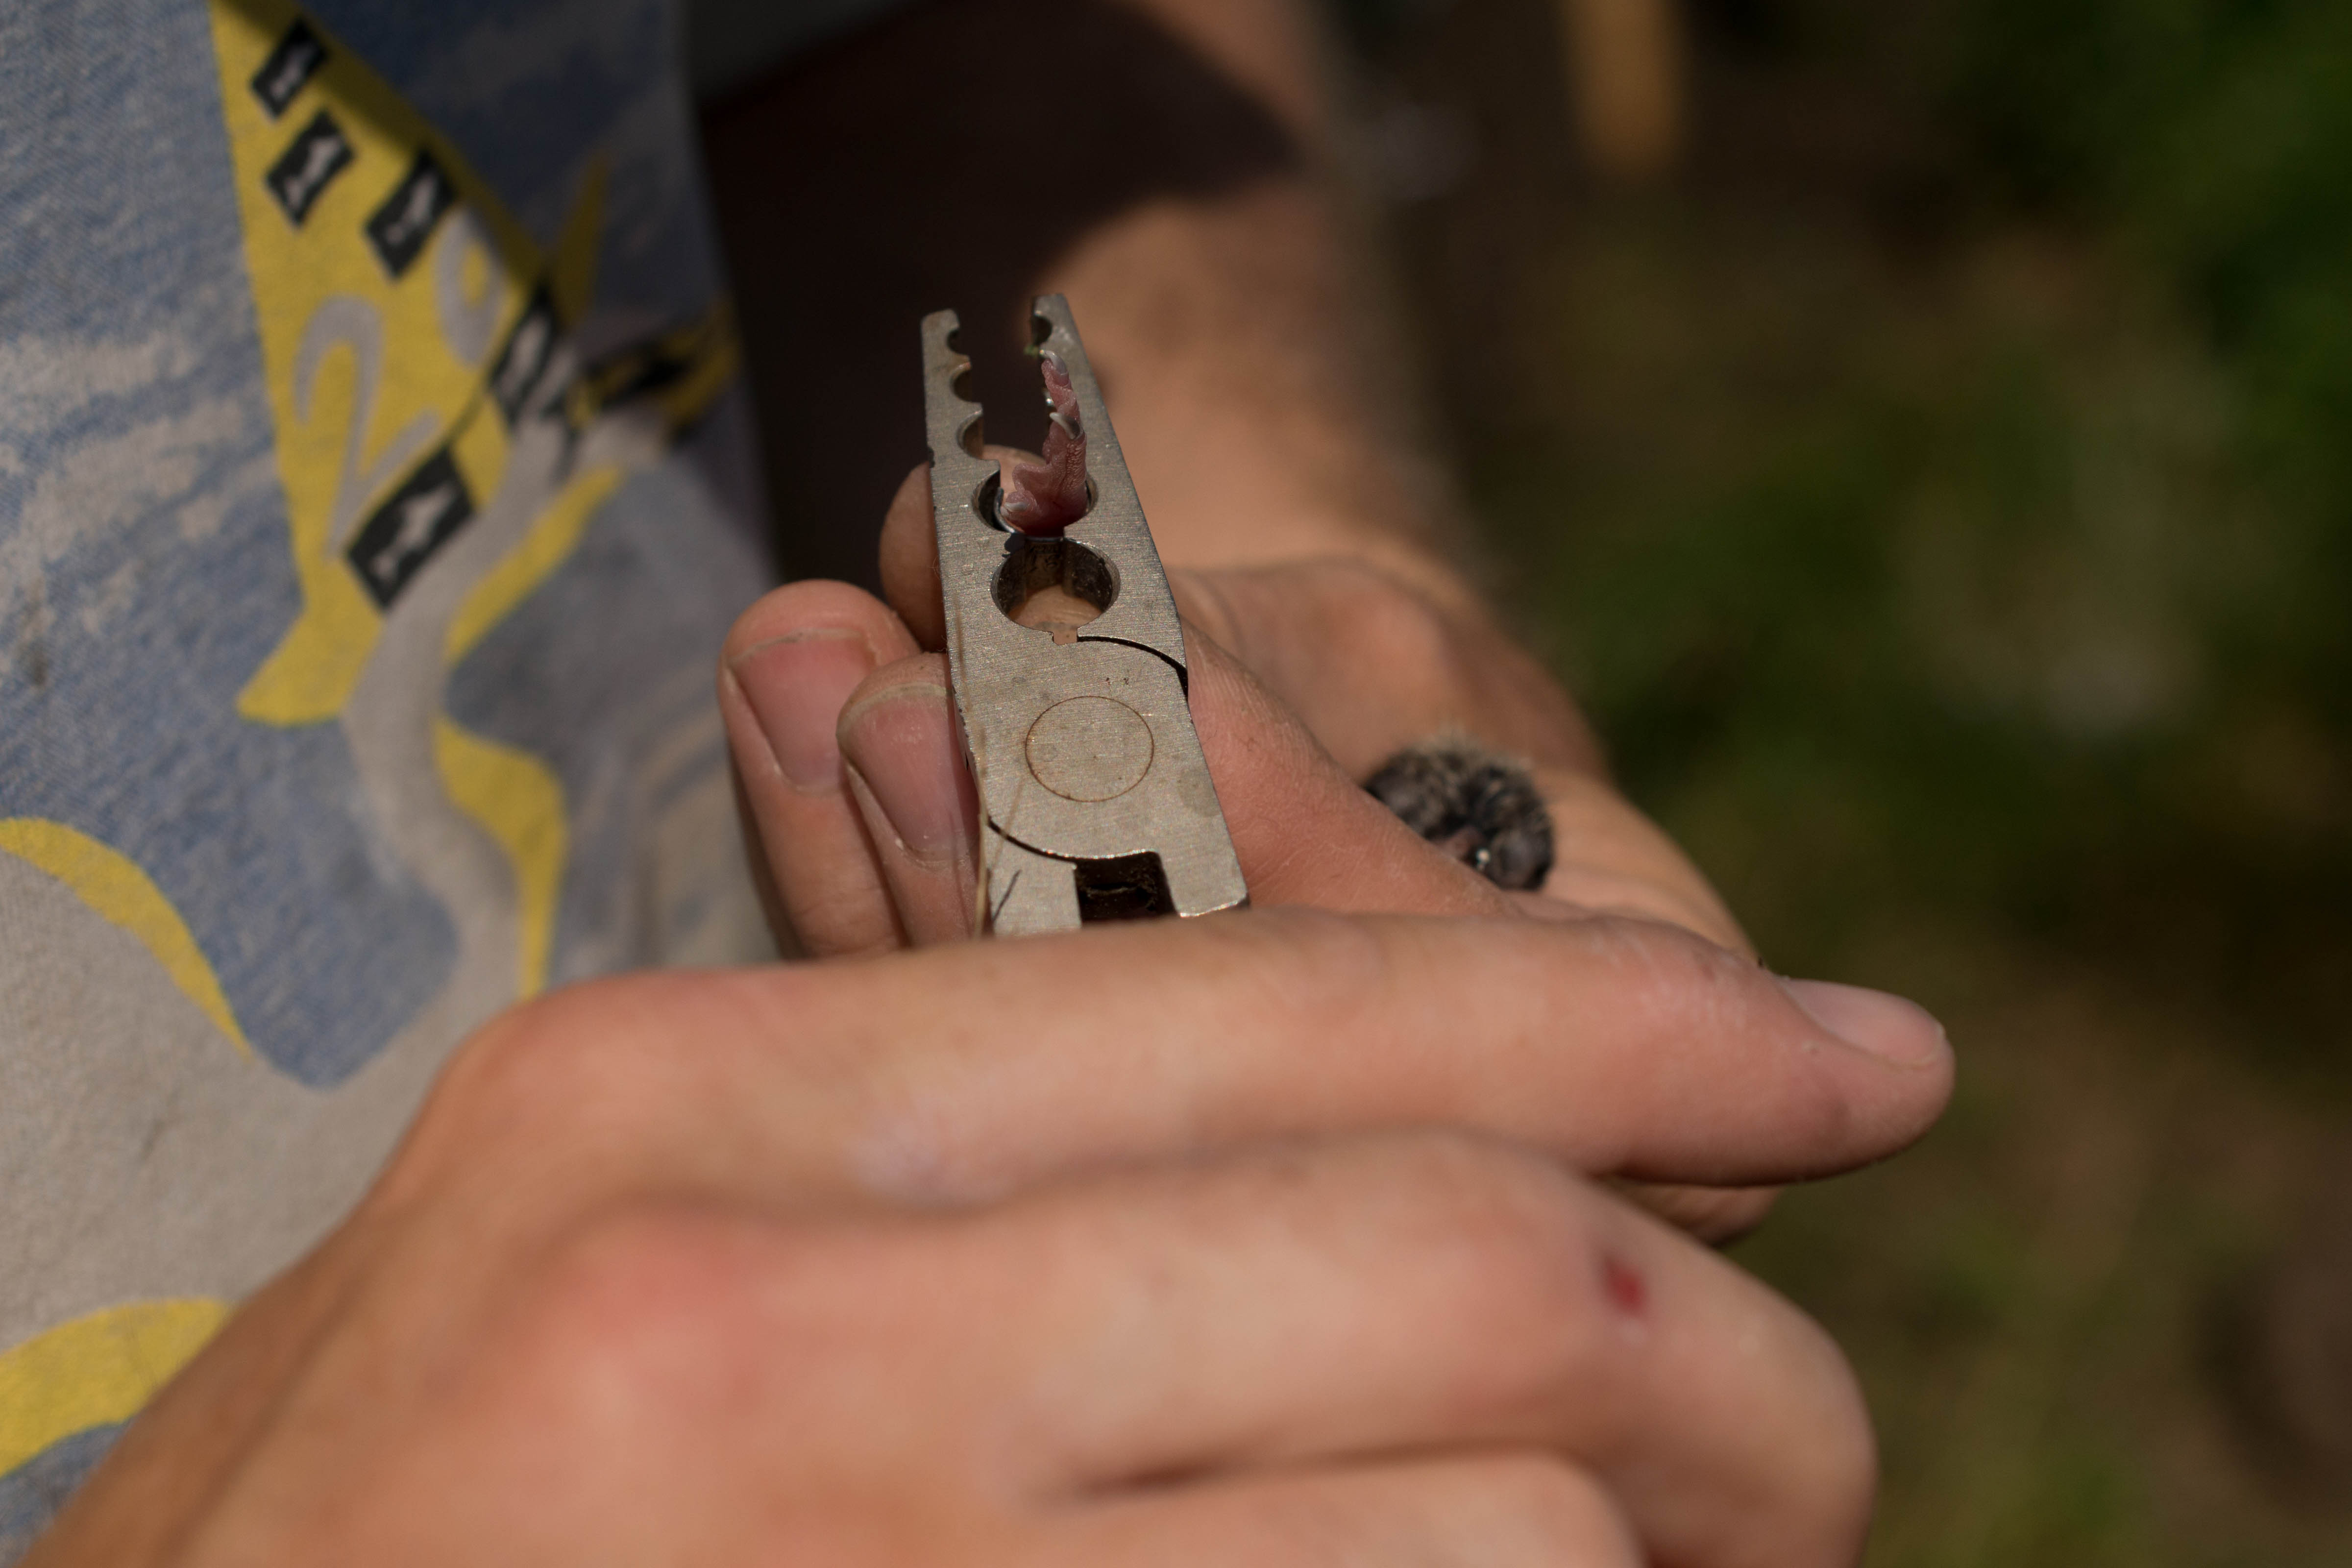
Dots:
(376, 487)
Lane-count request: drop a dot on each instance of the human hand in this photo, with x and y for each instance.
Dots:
(862, 817)
(1334, 666)
(1126, 1246)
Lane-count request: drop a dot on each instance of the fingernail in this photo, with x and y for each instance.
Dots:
(796, 686)
(1884, 1025)
(901, 745)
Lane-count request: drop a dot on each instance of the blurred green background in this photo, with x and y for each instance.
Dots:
(1936, 476)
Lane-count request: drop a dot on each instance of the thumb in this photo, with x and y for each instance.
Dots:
(1304, 831)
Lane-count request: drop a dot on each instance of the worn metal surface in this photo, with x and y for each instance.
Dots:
(1094, 800)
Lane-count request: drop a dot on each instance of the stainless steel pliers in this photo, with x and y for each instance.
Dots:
(1094, 801)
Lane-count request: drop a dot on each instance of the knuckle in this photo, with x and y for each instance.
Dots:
(1543, 1509)
(1336, 959)
(1515, 1243)
(1697, 990)
(795, 607)
(1833, 1476)
(1297, 963)
(1817, 1117)
(1718, 1215)
(541, 1060)
(641, 1306)
(1667, 965)
(1504, 1510)
(1392, 624)
(600, 1066)
(1544, 1291)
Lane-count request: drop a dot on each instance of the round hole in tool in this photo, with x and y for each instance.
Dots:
(984, 499)
(1053, 584)
(990, 493)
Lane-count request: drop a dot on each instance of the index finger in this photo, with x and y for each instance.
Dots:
(1620, 1047)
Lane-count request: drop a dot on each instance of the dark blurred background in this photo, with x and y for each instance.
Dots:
(1923, 436)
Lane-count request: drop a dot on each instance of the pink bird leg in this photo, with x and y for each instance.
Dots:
(1046, 498)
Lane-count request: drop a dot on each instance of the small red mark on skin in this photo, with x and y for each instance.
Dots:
(1046, 498)
(1627, 1292)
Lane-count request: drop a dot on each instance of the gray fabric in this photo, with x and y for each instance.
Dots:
(355, 640)
(31, 1494)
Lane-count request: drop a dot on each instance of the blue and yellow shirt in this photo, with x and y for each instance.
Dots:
(375, 490)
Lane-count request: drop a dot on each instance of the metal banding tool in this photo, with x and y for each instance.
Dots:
(1094, 801)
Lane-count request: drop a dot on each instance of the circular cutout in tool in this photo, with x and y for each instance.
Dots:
(1053, 584)
(1089, 748)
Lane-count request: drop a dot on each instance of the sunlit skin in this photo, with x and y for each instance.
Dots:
(1292, 1237)
(881, 1262)
(916, 1259)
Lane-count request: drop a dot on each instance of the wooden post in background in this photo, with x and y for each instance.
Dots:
(1625, 83)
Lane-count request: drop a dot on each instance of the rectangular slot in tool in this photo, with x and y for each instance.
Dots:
(1130, 888)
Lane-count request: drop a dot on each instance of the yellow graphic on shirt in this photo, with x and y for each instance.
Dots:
(508, 583)
(441, 446)
(95, 1371)
(121, 894)
(309, 179)
(514, 796)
